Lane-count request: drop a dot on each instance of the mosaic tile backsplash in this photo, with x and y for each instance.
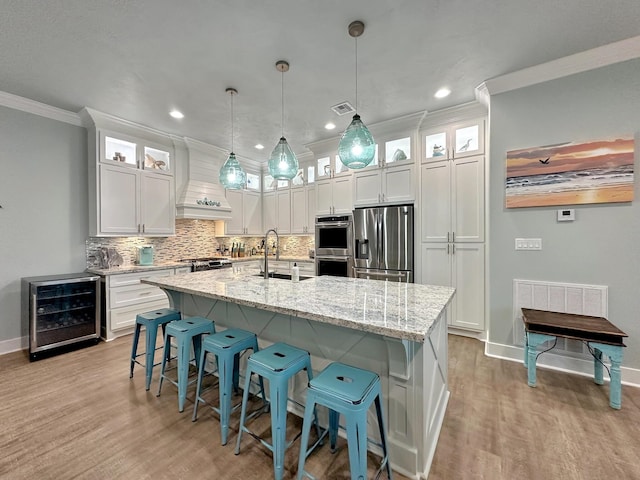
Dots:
(193, 239)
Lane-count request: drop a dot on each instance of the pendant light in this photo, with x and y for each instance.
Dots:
(283, 164)
(231, 174)
(357, 147)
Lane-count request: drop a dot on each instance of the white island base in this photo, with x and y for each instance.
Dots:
(413, 374)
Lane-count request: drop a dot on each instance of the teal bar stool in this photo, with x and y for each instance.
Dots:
(277, 363)
(150, 321)
(349, 391)
(185, 332)
(227, 346)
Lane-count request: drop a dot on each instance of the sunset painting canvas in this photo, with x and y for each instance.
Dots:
(599, 171)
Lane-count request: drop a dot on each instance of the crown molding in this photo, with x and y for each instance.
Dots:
(603, 56)
(38, 108)
(457, 113)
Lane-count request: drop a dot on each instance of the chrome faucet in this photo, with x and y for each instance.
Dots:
(266, 250)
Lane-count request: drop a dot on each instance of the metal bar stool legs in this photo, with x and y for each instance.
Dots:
(227, 346)
(183, 331)
(348, 391)
(278, 364)
(151, 321)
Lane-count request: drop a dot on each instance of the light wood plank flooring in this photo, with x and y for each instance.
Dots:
(78, 415)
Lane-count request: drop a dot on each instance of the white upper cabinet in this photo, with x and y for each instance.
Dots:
(303, 209)
(131, 185)
(454, 141)
(246, 208)
(334, 196)
(389, 178)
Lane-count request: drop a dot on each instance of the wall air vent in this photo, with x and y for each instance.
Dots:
(343, 108)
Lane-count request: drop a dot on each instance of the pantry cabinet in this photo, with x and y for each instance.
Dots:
(460, 266)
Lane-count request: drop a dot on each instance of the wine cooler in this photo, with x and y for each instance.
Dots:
(61, 311)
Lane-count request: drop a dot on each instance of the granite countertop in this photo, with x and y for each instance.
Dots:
(401, 310)
(135, 268)
(272, 258)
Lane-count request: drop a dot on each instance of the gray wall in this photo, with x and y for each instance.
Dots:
(43, 192)
(602, 246)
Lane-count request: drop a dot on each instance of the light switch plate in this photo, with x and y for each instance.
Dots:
(528, 244)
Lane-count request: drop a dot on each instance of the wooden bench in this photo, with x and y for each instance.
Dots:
(598, 333)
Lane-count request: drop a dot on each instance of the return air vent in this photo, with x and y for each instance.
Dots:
(343, 108)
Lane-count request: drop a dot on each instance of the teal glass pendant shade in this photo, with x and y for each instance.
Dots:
(231, 174)
(283, 164)
(357, 147)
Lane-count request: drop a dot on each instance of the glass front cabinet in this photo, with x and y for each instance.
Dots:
(134, 189)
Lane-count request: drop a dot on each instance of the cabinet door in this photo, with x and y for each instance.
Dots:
(269, 206)
(118, 201)
(467, 139)
(468, 199)
(235, 226)
(324, 197)
(157, 205)
(342, 195)
(283, 211)
(468, 279)
(311, 210)
(436, 201)
(436, 144)
(298, 210)
(253, 213)
(397, 184)
(436, 264)
(367, 187)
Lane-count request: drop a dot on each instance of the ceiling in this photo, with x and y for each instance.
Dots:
(139, 59)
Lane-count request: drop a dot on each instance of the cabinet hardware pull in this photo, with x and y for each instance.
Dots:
(454, 237)
(447, 236)
(448, 249)
(453, 248)
(143, 228)
(145, 293)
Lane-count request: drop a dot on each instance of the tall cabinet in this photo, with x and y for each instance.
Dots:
(452, 203)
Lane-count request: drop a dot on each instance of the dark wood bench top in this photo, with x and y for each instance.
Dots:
(567, 325)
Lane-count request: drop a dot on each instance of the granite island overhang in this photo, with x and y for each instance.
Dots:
(397, 330)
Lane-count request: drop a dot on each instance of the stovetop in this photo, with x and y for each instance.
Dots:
(207, 263)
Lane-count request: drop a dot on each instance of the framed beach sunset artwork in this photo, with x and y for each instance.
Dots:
(599, 171)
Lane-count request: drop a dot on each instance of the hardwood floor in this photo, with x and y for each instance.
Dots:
(78, 415)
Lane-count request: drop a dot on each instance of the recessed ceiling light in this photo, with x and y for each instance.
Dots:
(443, 92)
(330, 126)
(259, 146)
(176, 114)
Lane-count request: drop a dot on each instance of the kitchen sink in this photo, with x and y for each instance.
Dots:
(283, 276)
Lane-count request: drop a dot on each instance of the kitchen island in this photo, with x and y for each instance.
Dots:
(397, 330)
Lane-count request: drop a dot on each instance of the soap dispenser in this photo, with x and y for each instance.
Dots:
(295, 273)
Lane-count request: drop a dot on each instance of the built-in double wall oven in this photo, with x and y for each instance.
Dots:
(334, 245)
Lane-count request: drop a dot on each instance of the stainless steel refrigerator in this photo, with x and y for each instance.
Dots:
(383, 243)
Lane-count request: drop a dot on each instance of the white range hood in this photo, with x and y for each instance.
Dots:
(203, 164)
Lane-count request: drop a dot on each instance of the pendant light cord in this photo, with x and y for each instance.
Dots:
(356, 106)
(232, 122)
(282, 96)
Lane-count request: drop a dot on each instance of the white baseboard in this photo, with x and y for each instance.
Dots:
(630, 376)
(13, 345)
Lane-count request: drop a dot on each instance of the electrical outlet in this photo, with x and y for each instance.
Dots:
(528, 244)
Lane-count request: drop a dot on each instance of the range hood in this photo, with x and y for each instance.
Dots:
(202, 183)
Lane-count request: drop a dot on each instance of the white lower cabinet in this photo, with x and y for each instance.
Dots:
(459, 265)
(125, 297)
